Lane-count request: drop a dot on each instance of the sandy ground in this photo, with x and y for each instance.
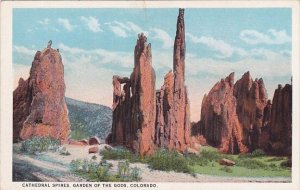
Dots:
(52, 166)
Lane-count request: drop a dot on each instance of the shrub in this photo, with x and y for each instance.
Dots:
(256, 153)
(123, 169)
(64, 152)
(75, 165)
(168, 160)
(39, 144)
(251, 163)
(286, 164)
(119, 154)
(226, 169)
(94, 157)
(135, 174)
(210, 155)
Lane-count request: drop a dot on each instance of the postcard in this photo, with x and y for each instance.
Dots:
(150, 95)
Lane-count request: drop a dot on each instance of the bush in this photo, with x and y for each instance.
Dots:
(286, 164)
(119, 154)
(168, 160)
(39, 144)
(135, 174)
(210, 155)
(226, 169)
(100, 171)
(256, 153)
(64, 152)
(251, 163)
(94, 157)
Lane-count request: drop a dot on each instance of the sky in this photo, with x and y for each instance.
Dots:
(96, 44)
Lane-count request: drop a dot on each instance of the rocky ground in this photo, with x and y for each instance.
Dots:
(53, 167)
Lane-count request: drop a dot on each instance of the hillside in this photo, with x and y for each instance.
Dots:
(88, 119)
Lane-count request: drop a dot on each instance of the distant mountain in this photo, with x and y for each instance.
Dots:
(88, 119)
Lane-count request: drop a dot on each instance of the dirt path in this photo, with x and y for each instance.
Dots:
(52, 166)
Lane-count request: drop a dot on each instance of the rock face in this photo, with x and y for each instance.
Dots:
(144, 118)
(276, 137)
(251, 99)
(219, 120)
(173, 114)
(134, 106)
(239, 117)
(39, 107)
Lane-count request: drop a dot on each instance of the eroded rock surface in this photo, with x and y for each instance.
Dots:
(39, 107)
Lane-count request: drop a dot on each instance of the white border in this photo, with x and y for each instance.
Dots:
(7, 82)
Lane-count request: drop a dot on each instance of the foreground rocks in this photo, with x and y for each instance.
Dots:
(39, 107)
(144, 118)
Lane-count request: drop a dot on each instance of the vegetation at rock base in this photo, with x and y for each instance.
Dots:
(120, 153)
(39, 144)
(168, 160)
(93, 171)
(255, 164)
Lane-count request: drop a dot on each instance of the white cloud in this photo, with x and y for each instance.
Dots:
(125, 29)
(24, 50)
(92, 23)
(271, 37)
(98, 56)
(224, 49)
(119, 31)
(163, 36)
(45, 21)
(65, 23)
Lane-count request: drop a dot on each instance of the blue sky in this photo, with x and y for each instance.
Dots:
(98, 43)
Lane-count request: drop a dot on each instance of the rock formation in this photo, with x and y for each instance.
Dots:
(39, 107)
(134, 106)
(219, 120)
(238, 117)
(251, 99)
(276, 137)
(144, 118)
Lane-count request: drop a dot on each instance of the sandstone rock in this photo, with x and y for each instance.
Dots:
(192, 151)
(219, 120)
(93, 149)
(144, 118)
(39, 107)
(226, 162)
(82, 142)
(134, 106)
(108, 147)
(251, 99)
(276, 137)
(172, 104)
(94, 141)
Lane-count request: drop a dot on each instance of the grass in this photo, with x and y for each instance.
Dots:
(168, 160)
(39, 144)
(120, 153)
(255, 164)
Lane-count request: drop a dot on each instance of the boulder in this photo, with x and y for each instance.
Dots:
(226, 162)
(93, 150)
(82, 142)
(94, 141)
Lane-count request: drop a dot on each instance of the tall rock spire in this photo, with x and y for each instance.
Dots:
(180, 102)
(39, 107)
